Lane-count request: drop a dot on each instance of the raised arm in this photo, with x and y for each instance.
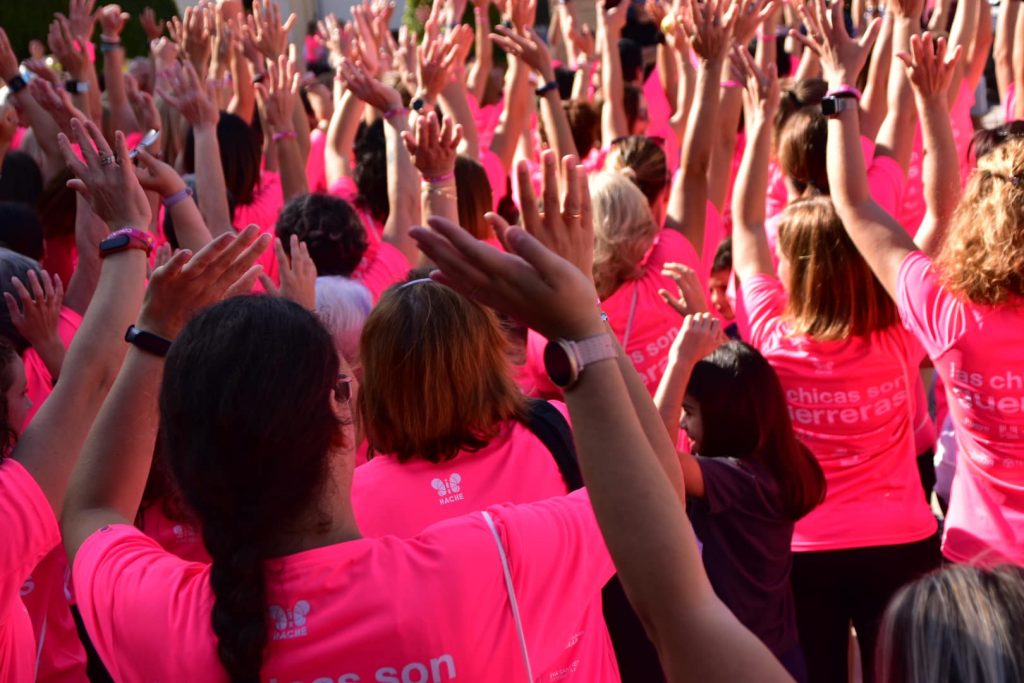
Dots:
(432, 146)
(637, 507)
(514, 116)
(931, 76)
(751, 254)
(874, 105)
(610, 21)
(483, 59)
(454, 95)
(51, 443)
(961, 34)
(687, 203)
(402, 174)
(1004, 50)
(896, 135)
(185, 92)
(75, 62)
(189, 228)
(112, 21)
(111, 476)
(278, 95)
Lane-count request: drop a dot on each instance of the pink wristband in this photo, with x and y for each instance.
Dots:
(439, 178)
(731, 84)
(847, 90)
(392, 113)
(285, 135)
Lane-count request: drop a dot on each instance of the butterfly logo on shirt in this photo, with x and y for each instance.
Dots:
(448, 489)
(289, 623)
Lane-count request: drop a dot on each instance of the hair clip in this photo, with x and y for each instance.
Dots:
(414, 282)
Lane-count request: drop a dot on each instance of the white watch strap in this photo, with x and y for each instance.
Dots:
(593, 349)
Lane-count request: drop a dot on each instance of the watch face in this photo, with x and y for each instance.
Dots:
(558, 364)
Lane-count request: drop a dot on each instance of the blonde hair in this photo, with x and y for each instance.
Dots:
(962, 624)
(982, 259)
(833, 294)
(624, 229)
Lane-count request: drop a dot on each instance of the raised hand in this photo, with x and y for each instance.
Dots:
(57, 103)
(152, 27)
(105, 179)
(269, 34)
(143, 105)
(433, 148)
(156, 176)
(192, 32)
(382, 97)
(436, 59)
(842, 57)
(331, 32)
(277, 94)
(8, 60)
(297, 273)
(112, 21)
(928, 68)
(527, 47)
(710, 31)
(522, 13)
(44, 72)
(37, 316)
(614, 18)
(566, 226)
(689, 298)
(365, 41)
(699, 336)
(761, 87)
(182, 89)
(531, 283)
(749, 15)
(82, 18)
(165, 53)
(65, 46)
(186, 283)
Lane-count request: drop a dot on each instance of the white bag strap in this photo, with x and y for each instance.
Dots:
(511, 593)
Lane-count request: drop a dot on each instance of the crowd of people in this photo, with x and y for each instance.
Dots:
(684, 347)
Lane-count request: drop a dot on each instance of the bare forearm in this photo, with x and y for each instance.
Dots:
(453, 97)
(121, 115)
(293, 168)
(243, 103)
(402, 175)
(896, 136)
(341, 134)
(874, 104)
(613, 111)
(556, 124)
(720, 169)
(89, 232)
(1004, 52)
(751, 253)
(940, 173)
(213, 192)
(506, 135)
(189, 227)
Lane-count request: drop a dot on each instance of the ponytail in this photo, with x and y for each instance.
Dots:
(248, 424)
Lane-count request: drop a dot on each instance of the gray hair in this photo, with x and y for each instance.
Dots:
(343, 306)
(962, 624)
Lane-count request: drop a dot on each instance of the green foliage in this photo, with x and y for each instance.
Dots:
(27, 19)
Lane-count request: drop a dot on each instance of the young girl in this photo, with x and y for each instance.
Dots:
(749, 480)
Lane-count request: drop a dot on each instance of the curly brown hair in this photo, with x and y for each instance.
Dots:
(982, 259)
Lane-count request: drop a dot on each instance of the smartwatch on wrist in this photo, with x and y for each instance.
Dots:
(565, 360)
(124, 239)
(833, 105)
(76, 87)
(147, 341)
(16, 84)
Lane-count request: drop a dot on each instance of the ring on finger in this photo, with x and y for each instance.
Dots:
(107, 160)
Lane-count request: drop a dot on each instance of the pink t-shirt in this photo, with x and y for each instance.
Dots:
(851, 403)
(388, 266)
(402, 499)
(978, 352)
(431, 608)
(60, 656)
(316, 177)
(266, 205)
(30, 532)
(641, 320)
(182, 539)
(37, 377)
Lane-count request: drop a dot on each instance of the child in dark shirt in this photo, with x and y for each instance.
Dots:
(748, 479)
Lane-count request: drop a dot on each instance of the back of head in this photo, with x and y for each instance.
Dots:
(57, 206)
(744, 415)
(585, 122)
(241, 156)
(330, 227)
(20, 229)
(13, 264)
(343, 306)
(832, 292)
(371, 172)
(474, 197)
(723, 256)
(962, 624)
(800, 148)
(624, 228)
(796, 95)
(982, 259)
(631, 56)
(986, 140)
(642, 160)
(436, 374)
(20, 178)
(248, 421)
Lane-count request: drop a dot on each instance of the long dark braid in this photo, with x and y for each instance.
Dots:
(248, 423)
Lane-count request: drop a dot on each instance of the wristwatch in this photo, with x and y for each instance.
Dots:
(564, 360)
(126, 238)
(147, 341)
(832, 105)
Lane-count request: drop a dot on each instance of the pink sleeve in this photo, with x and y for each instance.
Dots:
(30, 531)
(37, 377)
(388, 266)
(764, 300)
(886, 182)
(121, 574)
(934, 315)
(553, 588)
